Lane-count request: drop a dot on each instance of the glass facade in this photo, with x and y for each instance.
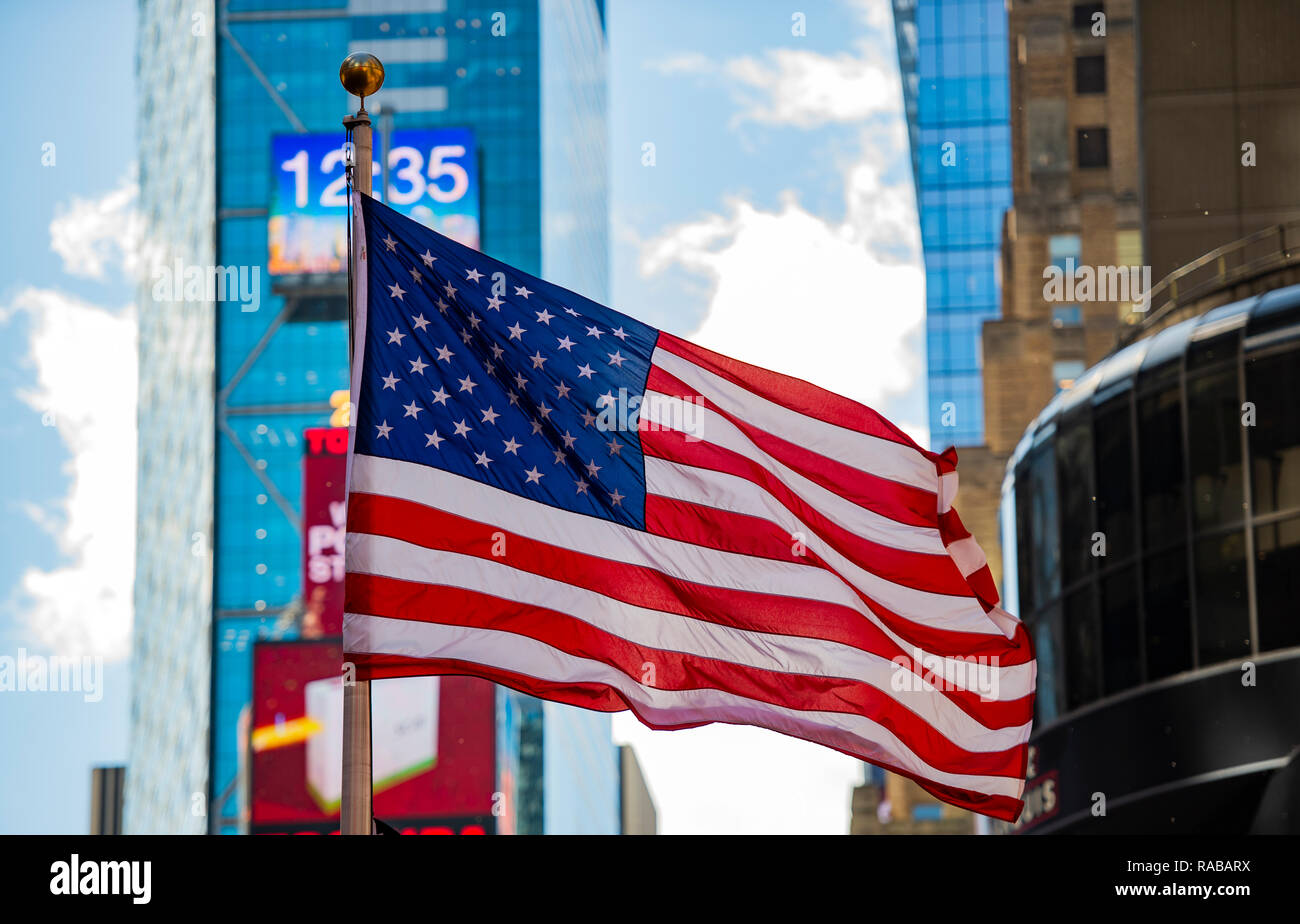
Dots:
(166, 788)
(953, 59)
(1156, 506)
(527, 78)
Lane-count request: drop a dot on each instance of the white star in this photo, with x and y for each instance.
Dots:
(450, 290)
(522, 291)
(605, 399)
(538, 359)
(384, 429)
(396, 291)
(582, 486)
(462, 428)
(494, 303)
(585, 371)
(419, 322)
(566, 343)
(418, 365)
(593, 468)
(490, 416)
(569, 440)
(537, 427)
(594, 332)
(512, 446)
(390, 381)
(465, 335)
(435, 440)
(473, 276)
(572, 312)
(516, 332)
(614, 447)
(544, 316)
(520, 381)
(482, 459)
(559, 456)
(474, 320)
(412, 410)
(588, 418)
(440, 396)
(615, 498)
(415, 274)
(444, 354)
(514, 398)
(467, 384)
(497, 352)
(390, 243)
(442, 306)
(545, 411)
(618, 332)
(394, 336)
(428, 258)
(616, 359)
(491, 368)
(563, 390)
(534, 476)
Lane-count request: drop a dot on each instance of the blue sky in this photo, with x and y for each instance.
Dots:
(775, 223)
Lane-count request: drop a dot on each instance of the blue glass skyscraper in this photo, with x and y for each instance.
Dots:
(953, 59)
(527, 79)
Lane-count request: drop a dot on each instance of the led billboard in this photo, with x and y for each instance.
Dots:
(432, 178)
(433, 745)
(324, 506)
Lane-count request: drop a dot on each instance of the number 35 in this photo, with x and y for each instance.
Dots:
(407, 163)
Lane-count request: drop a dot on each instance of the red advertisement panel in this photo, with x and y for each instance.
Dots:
(433, 743)
(324, 514)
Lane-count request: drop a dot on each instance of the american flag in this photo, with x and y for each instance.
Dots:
(556, 497)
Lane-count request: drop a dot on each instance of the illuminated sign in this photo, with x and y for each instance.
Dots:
(432, 178)
(433, 745)
(324, 515)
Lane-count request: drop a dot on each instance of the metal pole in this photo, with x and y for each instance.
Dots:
(356, 814)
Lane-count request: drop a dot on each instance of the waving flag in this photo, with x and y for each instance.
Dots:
(554, 496)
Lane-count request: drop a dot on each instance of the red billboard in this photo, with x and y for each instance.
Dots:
(433, 744)
(324, 516)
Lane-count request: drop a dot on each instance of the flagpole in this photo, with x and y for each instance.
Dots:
(362, 75)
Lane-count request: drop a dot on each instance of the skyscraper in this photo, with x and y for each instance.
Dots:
(953, 59)
(228, 387)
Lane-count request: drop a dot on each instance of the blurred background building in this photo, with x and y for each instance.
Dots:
(226, 393)
(1156, 135)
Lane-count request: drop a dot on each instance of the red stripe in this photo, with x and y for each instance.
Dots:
(951, 529)
(673, 670)
(902, 502)
(646, 587)
(789, 392)
(936, 573)
(606, 699)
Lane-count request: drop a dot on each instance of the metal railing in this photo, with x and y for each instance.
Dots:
(1265, 250)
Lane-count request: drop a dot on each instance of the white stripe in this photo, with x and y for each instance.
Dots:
(522, 655)
(615, 542)
(718, 431)
(671, 632)
(871, 454)
(740, 495)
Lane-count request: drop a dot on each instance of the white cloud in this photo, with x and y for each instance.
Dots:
(93, 234)
(822, 300)
(83, 384)
(84, 360)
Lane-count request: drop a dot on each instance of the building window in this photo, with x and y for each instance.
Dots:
(1067, 315)
(1084, 13)
(1093, 147)
(1065, 371)
(1063, 250)
(1089, 74)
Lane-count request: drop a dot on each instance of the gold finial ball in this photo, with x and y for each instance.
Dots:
(362, 74)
